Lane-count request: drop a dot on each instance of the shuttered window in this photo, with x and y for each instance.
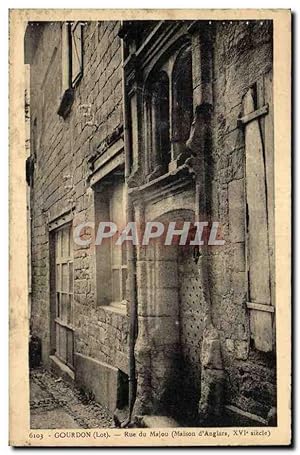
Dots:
(72, 54)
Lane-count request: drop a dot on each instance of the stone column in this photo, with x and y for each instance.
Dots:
(142, 347)
(157, 343)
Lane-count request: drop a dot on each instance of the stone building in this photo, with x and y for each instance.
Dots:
(161, 121)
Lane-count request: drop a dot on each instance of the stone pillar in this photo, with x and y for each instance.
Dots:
(157, 343)
(142, 348)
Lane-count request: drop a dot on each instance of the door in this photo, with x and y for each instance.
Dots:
(191, 330)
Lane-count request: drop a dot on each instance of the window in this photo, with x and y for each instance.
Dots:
(182, 113)
(77, 52)
(72, 54)
(64, 295)
(72, 64)
(160, 110)
(169, 112)
(118, 253)
(111, 259)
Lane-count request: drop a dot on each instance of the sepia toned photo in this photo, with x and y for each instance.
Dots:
(150, 263)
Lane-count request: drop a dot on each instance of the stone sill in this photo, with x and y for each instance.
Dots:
(172, 179)
(119, 309)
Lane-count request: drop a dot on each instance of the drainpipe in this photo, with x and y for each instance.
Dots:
(132, 319)
(131, 264)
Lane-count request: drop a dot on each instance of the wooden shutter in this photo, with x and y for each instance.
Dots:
(65, 53)
(258, 123)
(77, 52)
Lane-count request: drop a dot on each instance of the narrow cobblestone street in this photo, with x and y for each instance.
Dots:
(56, 404)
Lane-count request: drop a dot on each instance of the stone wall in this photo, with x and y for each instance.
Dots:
(242, 55)
(62, 149)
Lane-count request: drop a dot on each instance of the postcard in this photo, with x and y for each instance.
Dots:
(150, 241)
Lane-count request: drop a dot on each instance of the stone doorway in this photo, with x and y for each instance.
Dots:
(170, 328)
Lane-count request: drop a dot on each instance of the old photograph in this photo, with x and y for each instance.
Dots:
(150, 223)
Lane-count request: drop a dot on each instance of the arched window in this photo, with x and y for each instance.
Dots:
(182, 94)
(169, 113)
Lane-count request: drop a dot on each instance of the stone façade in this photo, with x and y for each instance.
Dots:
(72, 155)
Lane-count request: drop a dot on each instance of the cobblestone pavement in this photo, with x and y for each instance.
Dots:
(56, 404)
